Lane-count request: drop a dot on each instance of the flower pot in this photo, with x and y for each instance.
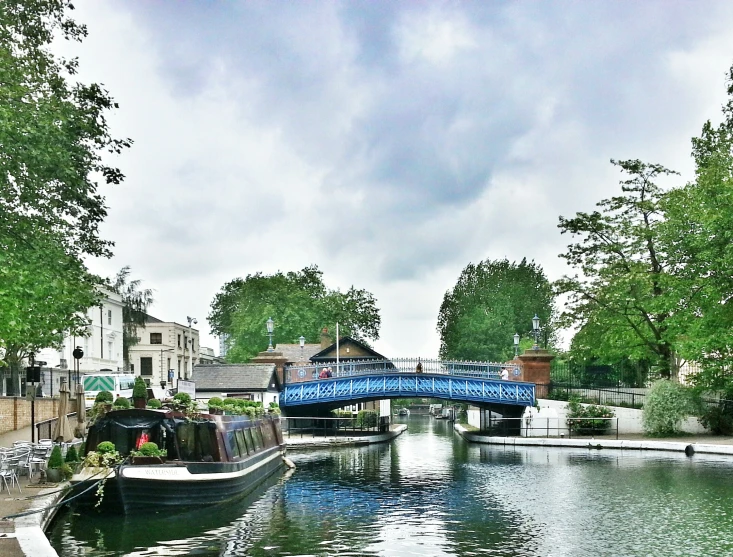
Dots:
(140, 403)
(147, 460)
(54, 475)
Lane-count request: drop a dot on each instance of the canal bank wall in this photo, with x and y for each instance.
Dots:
(688, 448)
(310, 441)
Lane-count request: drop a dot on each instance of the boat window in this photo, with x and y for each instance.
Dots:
(257, 436)
(250, 442)
(242, 444)
(194, 441)
(233, 447)
(205, 435)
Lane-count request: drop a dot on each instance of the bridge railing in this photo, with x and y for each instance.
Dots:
(314, 372)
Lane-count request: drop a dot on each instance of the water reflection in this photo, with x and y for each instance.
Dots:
(430, 493)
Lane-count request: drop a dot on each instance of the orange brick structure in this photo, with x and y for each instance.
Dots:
(536, 369)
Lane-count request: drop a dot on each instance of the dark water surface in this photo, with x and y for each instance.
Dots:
(431, 493)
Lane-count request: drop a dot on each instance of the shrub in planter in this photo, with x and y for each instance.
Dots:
(106, 447)
(183, 398)
(121, 403)
(367, 418)
(154, 403)
(151, 449)
(56, 460)
(66, 471)
(71, 455)
(105, 397)
(590, 419)
(215, 402)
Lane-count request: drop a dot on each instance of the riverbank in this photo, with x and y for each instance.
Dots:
(309, 441)
(688, 445)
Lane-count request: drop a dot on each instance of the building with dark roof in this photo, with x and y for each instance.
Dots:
(250, 381)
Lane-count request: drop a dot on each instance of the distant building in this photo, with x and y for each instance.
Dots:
(166, 352)
(256, 382)
(223, 346)
(207, 357)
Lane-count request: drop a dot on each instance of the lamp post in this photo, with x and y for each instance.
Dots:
(516, 344)
(270, 329)
(164, 375)
(536, 332)
(302, 344)
(190, 352)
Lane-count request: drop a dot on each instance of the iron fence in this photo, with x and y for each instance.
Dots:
(44, 429)
(569, 428)
(330, 427)
(312, 372)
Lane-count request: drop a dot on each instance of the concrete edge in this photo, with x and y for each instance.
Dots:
(30, 530)
(346, 441)
(645, 445)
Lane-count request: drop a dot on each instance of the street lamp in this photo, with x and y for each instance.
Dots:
(516, 344)
(270, 329)
(190, 352)
(536, 332)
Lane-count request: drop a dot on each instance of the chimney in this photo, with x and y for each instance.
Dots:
(325, 339)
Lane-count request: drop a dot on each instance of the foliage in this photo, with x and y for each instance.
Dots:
(71, 455)
(121, 403)
(620, 301)
(717, 416)
(154, 403)
(66, 470)
(588, 419)
(139, 389)
(182, 402)
(98, 459)
(490, 302)
(274, 408)
(149, 449)
(215, 402)
(299, 303)
(667, 404)
(106, 447)
(53, 138)
(241, 407)
(135, 303)
(56, 460)
(104, 397)
(183, 398)
(367, 419)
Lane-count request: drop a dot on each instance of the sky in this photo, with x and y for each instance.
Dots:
(389, 143)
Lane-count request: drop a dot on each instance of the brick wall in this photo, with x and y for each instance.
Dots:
(15, 412)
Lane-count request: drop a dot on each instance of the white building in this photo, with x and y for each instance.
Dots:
(223, 346)
(166, 352)
(103, 345)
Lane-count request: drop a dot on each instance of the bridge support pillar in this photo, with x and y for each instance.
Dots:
(536, 369)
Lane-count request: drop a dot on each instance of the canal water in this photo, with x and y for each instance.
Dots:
(430, 493)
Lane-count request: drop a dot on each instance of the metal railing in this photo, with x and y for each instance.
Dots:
(563, 427)
(312, 372)
(330, 427)
(44, 429)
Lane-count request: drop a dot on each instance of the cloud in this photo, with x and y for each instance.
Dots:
(390, 143)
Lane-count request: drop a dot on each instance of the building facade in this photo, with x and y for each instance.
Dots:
(166, 352)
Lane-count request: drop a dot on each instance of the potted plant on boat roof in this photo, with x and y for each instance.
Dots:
(216, 405)
(149, 453)
(140, 393)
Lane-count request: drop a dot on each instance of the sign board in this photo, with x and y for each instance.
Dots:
(187, 387)
(33, 374)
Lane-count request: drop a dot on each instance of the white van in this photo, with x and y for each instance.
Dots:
(119, 384)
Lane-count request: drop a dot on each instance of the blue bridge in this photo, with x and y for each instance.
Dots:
(479, 383)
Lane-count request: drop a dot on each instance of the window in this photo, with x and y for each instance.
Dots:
(241, 442)
(146, 366)
(179, 341)
(132, 367)
(109, 317)
(109, 351)
(233, 444)
(156, 338)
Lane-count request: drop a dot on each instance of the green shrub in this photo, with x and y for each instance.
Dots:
(71, 455)
(182, 398)
(104, 396)
(154, 403)
(121, 403)
(215, 402)
(367, 418)
(666, 405)
(56, 460)
(66, 471)
(588, 419)
(557, 394)
(140, 390)
(106, 447)
(151, 449)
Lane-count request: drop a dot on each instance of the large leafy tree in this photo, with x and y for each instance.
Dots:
(53, 134)
(298, 302)
(624, 295)
(135, 304)
(491, 301)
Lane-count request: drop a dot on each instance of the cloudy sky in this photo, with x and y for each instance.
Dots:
(390, 143)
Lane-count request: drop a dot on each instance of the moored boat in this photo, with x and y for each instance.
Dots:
(209, 458)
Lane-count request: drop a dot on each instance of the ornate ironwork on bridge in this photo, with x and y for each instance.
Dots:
(404, 385)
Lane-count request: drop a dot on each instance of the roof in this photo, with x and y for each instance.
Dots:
(151, 319)
(323, 355)
(294, 354)
(233, 377)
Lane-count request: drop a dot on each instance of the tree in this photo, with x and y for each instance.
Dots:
(490, 302)
(135, 304)
(52, 136)
(300, 304)
(622, 298)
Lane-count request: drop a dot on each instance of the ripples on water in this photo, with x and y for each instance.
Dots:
(430, 493)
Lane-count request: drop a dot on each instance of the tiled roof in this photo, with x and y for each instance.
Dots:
(233, 377)
(293, 354)
(321, 355)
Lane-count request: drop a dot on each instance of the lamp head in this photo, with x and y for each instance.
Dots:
(535, 323)
(270, 326)
(302, 341)
(516, 339)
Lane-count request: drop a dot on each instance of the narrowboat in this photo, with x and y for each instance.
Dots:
(210, 459)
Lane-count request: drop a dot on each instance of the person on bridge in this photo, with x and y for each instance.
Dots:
(323, 374)
(504, 375)
(418, 369)
(329, 373)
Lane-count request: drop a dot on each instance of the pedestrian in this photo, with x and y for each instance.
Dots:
(329, 373)
(504, 375)
(323, 373)
(418, 369)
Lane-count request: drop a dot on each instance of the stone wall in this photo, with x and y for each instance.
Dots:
(15, 412)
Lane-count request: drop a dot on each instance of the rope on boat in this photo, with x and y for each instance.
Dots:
(62, 502)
